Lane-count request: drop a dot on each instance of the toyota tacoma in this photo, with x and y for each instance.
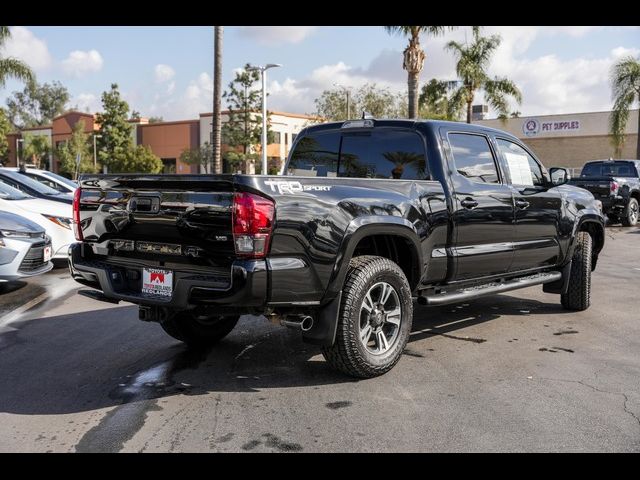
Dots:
(369, 216)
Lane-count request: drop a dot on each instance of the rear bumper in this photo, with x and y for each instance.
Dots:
(613, 204)
(245, 286)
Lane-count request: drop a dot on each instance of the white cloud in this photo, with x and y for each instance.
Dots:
(24, 45)
(79, 63)
(164, 73)
(86, 102)
(195, 99)
(276, 35)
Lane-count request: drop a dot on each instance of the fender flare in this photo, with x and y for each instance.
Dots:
(362, 227)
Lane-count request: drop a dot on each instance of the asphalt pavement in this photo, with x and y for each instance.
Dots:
(513, 372)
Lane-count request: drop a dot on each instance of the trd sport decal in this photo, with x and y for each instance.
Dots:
(293, 187)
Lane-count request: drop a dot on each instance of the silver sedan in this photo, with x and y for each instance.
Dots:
(25, 249)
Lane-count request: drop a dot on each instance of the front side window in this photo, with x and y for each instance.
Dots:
(315, 155)
(383, 153)
(473, 158)
(523, 168)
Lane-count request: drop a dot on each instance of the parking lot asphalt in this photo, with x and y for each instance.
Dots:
(513, 372)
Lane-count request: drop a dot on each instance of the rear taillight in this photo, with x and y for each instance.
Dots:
(77, 230)
(614, 187)
(252, 224)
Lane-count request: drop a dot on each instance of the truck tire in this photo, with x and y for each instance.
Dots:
(630, 214)
(578, 296)
(199, 331)
(375, 318)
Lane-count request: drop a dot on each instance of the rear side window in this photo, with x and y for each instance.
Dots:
(383, 153)
(315, 155)
(473, 158)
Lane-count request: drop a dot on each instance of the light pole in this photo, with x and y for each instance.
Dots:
(95, 155)
(263, 73)
(18, 141)
(347, 90)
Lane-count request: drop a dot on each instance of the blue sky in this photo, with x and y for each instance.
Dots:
(166, 71)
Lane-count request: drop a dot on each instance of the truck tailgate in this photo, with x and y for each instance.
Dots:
(186, 218)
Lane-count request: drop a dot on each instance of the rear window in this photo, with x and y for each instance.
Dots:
(380, 153)
(316, 155)
(609, 169)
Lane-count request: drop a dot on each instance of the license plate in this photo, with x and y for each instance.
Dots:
(47, 253)
(156, 281)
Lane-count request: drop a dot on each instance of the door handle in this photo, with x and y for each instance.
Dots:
(522, 204)
(469, 203)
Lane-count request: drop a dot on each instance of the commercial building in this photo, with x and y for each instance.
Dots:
(569, 140)
(166, 139)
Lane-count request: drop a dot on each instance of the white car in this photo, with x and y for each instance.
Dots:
(25, 249)
(54, 217)
(50, 179)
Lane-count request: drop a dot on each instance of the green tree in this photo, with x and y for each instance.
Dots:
(625, 90)
(116, 148)
(68, 151)
(472, 62)
(243, 127)
(156, 119)
(434, 101)
(37, 104)
(414, 58)
(5, 128)
(115, 141)
(378, 101)
(36, 149)
(198, 156)
(12, 67)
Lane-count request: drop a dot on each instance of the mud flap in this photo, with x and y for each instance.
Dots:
(560, 286)
(323, 332)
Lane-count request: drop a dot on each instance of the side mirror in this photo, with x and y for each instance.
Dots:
(559, 176)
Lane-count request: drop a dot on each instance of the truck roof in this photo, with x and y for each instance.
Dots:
(406, 123)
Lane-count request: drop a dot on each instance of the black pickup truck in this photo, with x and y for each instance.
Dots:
(616, 183)
(370, 215)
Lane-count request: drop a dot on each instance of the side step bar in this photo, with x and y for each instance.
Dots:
(469, 293)
(97, 295)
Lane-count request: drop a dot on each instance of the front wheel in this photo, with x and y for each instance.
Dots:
(375, 318)
(631, 213)
(578, 296)
(199, 331)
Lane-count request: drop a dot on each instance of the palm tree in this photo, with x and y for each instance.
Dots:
(12, 67)
(414, 58)
(473, 60)
(625, 89)
(216, 127)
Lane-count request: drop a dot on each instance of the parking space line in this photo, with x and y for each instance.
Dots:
(15, 313)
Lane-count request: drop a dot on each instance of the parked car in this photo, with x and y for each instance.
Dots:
(32, 187)
(25, 248)
(616, 183)
(379, 211)
(53, 217)
(50, 179)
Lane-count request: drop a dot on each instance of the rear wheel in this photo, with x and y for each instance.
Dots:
(199, 331)
(631, 213)
(375, 319)
(578, 296)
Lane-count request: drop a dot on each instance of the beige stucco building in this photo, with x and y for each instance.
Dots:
(569, 140)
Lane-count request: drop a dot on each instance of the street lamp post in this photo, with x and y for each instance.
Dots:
(95, 154)
(347, 91)
(18, 141)
(263, 73)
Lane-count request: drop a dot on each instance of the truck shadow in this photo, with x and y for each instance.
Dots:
(105, 358)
